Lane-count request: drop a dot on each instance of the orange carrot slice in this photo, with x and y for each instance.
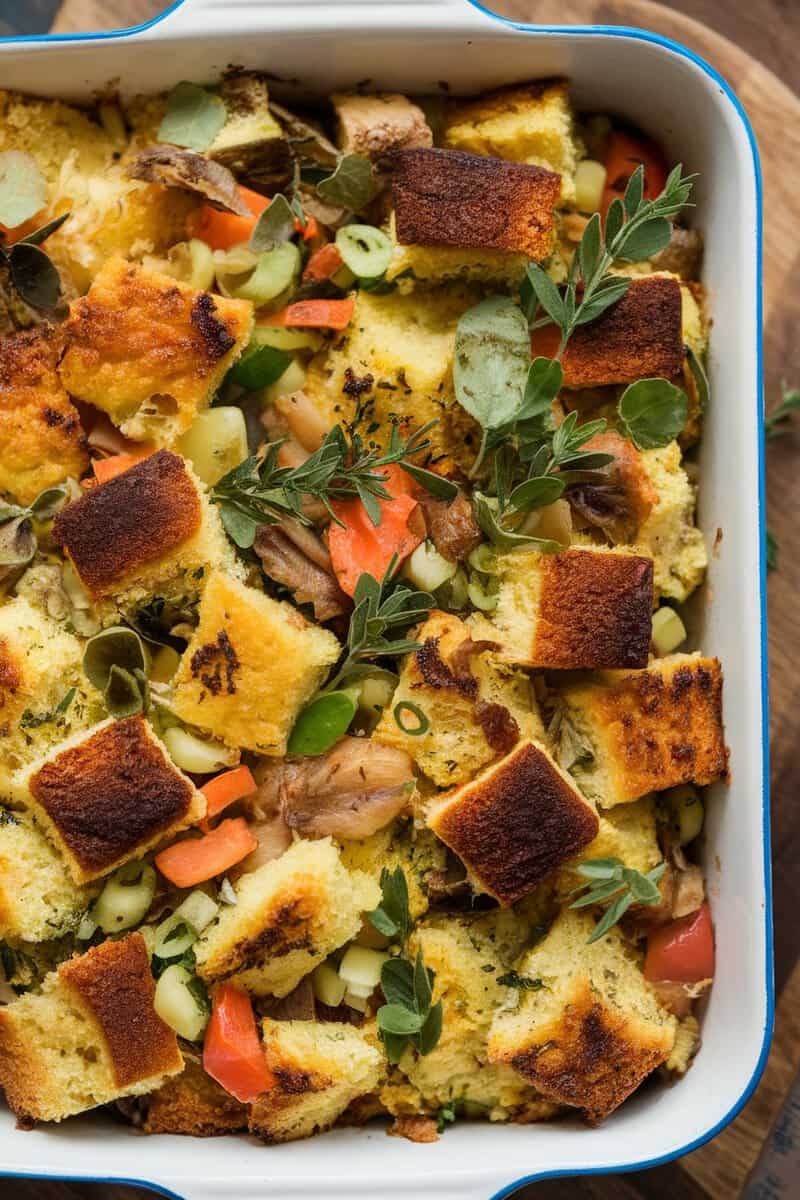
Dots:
(194, 860)
(314, 314)
(361, 547)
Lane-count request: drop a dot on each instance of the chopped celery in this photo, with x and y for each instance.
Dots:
(360, 969)
(275, 271)
(194, 754)
(328, 987)
(178, 1001)
(125, 899)
(216, 442)
(669, 631)
(365, 250)
(428, 569)
(198, 909)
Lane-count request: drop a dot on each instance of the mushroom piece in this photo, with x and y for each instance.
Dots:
(287, 563)
(351, 791)
(451, 526)
(172, 167)
(617, 499)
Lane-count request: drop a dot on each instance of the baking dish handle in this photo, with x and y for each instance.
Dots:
(215, 1189)
(215, 16)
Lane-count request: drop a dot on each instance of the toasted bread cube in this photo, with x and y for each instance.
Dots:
(289, 915)
(41, 439)
(649, 730)
(107, 796)
(669, 533)
(476, 708)
(149, 351)
(594, 1029)
(468, 956)
(515, 824)
(149, 530)
(449, 198)
(405, 343)
(38, 900)
(441, 264)
(532, 123)
(638, 337)
(91, 1035)
(40, 669)
(581, 609)
(249, 123)
(250, 666)
(194, 1104)
(379, 124)
(319, 1069)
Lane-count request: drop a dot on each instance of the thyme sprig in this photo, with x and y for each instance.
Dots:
(609, 879)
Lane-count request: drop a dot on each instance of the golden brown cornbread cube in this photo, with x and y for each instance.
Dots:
(669, 532)
(319, 1068)
(39, 900)
(40, 668)
(289, 915)
(107, 796)
(476, 707)
(150, 351)
(530, 123)
(627, 832)
(428, 265)
(449, 198)
(90, 1036)
(191, 1103)
(580, 609)
(649, 730)
(516, 823)
(378, 124)
(250, 666)
(638, 337)
(594, 1029)
(417, 851)
(41, 439)
(150, 529)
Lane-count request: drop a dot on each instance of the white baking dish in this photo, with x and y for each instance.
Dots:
(412, 46)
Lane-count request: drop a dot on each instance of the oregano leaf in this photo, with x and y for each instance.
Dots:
(652, 412)
(274, 226)
(193, 118)
(491, 360)
(352, 184)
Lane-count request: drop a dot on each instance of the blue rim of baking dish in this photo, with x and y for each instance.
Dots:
(681, 51)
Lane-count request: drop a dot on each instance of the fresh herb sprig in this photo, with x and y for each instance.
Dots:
(260, 492)
(409, 1016)
(777, 423)
(609, 879)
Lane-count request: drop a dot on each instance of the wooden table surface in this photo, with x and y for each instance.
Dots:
(757, 47)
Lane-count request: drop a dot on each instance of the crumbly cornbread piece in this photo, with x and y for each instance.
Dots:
(580, 609)
(627, 832)
(318, 1068)
(649, 730)
(39, 900)
(638, 337)
(250, 666)
(516, 823)
(530, 123)
(149, 530)
(442, 264)
(401, 844)
(476, 707)
(669, 533)
(378, 124)
(149, 351)
(194, 1104)
(594, 1029)
(41, 439)
(107, 796)
(91, 1035)
(289, 915)
(449, 198)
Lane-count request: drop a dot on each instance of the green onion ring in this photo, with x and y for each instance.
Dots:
(424, 723)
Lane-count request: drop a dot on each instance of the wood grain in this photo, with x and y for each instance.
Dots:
(756, 46)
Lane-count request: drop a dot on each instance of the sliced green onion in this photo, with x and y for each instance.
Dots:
(483, 559)
(482, 599)
(259, 366)
(669, 631)
(286, 339)
(198, 909)
(423, 723)
(179, 1001)
(323, 722)
(365, 250)
(125, 899)
(174, 936)
(275, 272)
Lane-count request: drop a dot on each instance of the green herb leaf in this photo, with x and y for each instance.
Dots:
(437, 485)
(523, 982)
(423, 984)
(396, 1018)
(30, 720)
(193, 118)
(428, 1037)
(394, 1045)
(542, 385)
(274, 226)
(652, 412)
(445, 1116)
(118, 646)
(701, 379)
(646, 240)
(504, 539)
(546, 293)
(23, 188)
(622, 885)
(126, 693)
(397, 982)
(491, 360)
(44, 231)
(392, 917)
(611, 916)
(34, 276)
(352, 185)
(322, 723)
(536, 493)
(776, 423)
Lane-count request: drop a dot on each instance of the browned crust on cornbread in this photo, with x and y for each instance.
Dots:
(114, 982)
(591, 1058)
(516, 823)
(595, 610)
(290, 1082)
(664, 726)
(22, 1076)
(287, 929)
(131, 521)
(193, 1103)
(638, 337)
(10, 680)
(113, 794)
(450, 198)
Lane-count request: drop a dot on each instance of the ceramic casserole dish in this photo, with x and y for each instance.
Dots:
(412, 46)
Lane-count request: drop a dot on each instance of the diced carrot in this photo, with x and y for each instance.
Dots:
(221, 230)
(361, 547)
(683, 950)
(624, 154)
(224, 789)
(314, 314)
(109, 468)
(232, 1052)
(323, 262)
(194, 860)
(311, 230)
